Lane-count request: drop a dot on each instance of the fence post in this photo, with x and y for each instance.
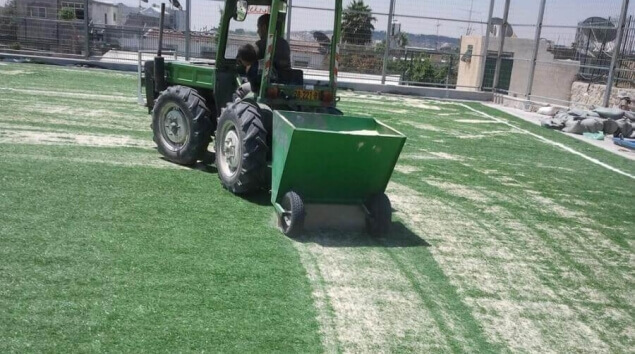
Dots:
(391, 13)
(188, 39)
(485, 50)
(499, 57)
(140, 99)
(616, 53)
(534, 58)
(86, 30)
(288, 29)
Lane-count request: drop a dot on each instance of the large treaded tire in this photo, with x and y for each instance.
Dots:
(194, 126)
(241, 136)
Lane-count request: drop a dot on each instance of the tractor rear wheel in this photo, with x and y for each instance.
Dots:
(241, 149)
(181, 125)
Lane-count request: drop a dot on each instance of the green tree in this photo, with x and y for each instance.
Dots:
(402, 39)
(67, 14)
(357, 23)
(422, 70)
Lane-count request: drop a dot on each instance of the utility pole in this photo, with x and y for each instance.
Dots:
(436, 46)
(469, 20)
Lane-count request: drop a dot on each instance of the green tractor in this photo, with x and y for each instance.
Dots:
(195, 104)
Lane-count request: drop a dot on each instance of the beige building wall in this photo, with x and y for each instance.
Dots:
(552, 78)
(469, 71)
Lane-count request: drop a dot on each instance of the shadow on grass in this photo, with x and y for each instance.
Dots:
(398, 237)
(261, 198)
(206, 165)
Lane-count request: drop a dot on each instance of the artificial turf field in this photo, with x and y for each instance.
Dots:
(502, 242)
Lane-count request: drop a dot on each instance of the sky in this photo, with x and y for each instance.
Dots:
(523, 15)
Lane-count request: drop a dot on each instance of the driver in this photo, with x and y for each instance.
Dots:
(282, 55)
(248, 58)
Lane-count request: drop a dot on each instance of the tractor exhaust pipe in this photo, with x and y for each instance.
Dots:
(159, 62)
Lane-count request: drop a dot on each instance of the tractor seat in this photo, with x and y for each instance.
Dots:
(291, 77)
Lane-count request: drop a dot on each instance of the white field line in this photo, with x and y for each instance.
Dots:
(551, 142)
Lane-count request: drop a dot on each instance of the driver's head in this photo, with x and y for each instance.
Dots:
(263, 26)
(247, 55)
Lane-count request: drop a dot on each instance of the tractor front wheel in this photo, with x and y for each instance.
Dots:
(181, 125)
(241, 149)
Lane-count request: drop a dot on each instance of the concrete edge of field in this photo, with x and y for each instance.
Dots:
(426, 92)
(535, 118)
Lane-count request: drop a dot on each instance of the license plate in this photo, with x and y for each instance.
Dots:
(307, 95)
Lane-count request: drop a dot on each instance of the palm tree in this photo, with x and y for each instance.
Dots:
(357, 23)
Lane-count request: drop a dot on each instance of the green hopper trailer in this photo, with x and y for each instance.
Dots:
(330, 159)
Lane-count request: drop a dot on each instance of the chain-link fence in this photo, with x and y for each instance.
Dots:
(556, 51)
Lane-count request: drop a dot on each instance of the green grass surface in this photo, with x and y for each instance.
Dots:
(111, 249)
(501, 242)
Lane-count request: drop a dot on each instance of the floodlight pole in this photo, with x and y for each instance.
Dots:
(502, 35)
(534, 58)
(616, 53)
(391, 13)
(485, 50)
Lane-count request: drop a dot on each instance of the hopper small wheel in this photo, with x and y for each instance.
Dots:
(291, 221)
(380, 214)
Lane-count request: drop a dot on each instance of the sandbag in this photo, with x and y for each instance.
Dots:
(573, 126)
(592, 125)
(625, 127)
(552, 123)
(630, 115)
(548, 111)
(610, 127)
(609, 113)
(577, 112)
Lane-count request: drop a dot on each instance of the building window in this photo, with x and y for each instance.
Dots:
(77, 7)
(114, 18)
(105, 19)
(36, 11)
